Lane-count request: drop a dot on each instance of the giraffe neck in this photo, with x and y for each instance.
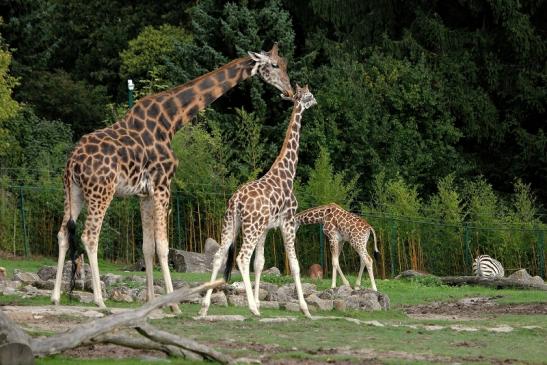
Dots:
(176, 107)
(285, 164)
(312, 216)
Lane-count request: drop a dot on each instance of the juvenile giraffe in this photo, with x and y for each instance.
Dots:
(263, 204)
(134, 157)
(340, 225)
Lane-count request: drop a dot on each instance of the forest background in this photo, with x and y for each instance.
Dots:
(430, 121)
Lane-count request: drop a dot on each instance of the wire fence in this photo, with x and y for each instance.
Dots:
(30, 217)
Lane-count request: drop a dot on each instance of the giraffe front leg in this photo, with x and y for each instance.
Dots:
(258, 267)
(289, 232)
(243, 262)
(161, 202)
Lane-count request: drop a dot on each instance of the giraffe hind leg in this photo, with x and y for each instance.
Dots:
(229, 233)
(73, 206)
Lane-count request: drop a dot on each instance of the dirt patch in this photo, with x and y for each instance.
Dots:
(472, 308)
(107, 351)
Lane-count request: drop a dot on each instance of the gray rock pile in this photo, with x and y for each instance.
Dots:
(132, 288)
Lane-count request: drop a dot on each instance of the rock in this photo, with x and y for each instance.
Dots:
(269, 305)
(321, 304)
(186, 261)
(523, 276)
(271, 289)
(159, 290)
(410, 274)
(121, 294)
(141, 280)
(9, 291)
(193, 299)
(343, 291)
(110, 279)
(89, 287)
(82, 296)
(384, 301)
(285, 294)
(237, 300)
(219, 298)
(272, 271)
(49, 284)
(180, 284)
(138, 295)
(339, 305)
(137, 266)
(47, 273)
(30, 290)
(13, 284)
(292, 306)
(25, 277)
(307, 289)
(367, 300)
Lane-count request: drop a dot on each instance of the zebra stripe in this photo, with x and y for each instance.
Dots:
(486, 266)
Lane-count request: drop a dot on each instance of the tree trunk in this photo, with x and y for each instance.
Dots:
(14, 343)
(16, 347)
(498, 283)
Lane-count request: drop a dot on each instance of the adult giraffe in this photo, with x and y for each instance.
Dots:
(134, 157)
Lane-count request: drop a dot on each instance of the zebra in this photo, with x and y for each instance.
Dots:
(486, 266)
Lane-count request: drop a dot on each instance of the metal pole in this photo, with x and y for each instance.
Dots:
(23, 222)
(393, 244)
(541, 252)
(179, 241)
(130, 88)
(467, 248)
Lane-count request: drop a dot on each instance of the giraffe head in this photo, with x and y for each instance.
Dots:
(304, 97)
(272, 68)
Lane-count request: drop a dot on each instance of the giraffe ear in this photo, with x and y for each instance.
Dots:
(274, 51)
(258, 57)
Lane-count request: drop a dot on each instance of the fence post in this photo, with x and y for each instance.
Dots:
(321, 247)
(467, 248)
(177, 199)
(393, 244)
(541, 252)
(23, 222)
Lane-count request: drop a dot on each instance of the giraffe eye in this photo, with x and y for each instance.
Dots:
(275, 65)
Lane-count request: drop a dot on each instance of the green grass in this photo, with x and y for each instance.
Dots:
(303, 339)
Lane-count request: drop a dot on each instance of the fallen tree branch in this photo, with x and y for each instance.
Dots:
(75, 337)
(156, 335)
(497, 283)
(143, 343)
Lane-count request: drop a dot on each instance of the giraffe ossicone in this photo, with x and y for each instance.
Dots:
(260, 205)
(339, 226)
(134, 157)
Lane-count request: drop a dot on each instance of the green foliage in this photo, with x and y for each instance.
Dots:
(145, 53)
(324, 186)
(56, 95)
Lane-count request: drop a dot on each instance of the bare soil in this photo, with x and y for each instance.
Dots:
(472, 308)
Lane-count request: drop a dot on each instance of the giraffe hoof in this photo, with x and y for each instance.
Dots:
(55, 301)
(203, 312)
(175, 309)
(255, 312)
(307, 314)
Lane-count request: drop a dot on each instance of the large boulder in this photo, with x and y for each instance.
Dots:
(25, 277)
(367, 300)
(272, 271)
(186, 261)
(523, 276)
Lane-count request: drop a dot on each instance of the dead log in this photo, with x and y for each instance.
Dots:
(143, 343)
(497, 283)
(156, 335)
(14, 343)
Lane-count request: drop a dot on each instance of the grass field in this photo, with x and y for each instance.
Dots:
(515, 335)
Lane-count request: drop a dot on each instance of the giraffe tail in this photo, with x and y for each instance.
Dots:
(229, 263)
(229, 232)
(71, 229)
(376, 252)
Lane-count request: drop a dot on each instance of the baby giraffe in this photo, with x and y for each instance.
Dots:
(340, 225)
(263, 204)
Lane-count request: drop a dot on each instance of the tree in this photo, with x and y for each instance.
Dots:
(324, 186)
